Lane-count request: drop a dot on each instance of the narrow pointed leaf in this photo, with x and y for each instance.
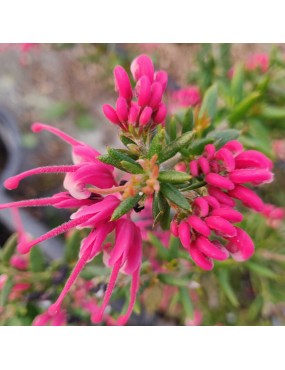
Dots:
(157, 143)
(209, 104)
(37, 261)
(9, 248)
(174, 147)
(172, 194)
(173, 177)
(125, 206)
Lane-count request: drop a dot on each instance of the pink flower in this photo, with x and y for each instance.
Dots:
(189, 96)
(257, 61)
(240, 246)
(148, 110)
(223, 172)
(93, 212)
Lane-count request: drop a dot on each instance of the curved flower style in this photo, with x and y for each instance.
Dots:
(94, 212)
(148, 110)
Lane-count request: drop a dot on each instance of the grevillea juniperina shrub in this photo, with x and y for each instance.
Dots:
(183, 180)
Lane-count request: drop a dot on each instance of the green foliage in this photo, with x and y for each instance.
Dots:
(125, 206)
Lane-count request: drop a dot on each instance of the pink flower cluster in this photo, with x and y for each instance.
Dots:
(224, 172)
(93, 212)
(257, 61)
(148, 109)
(189, 96)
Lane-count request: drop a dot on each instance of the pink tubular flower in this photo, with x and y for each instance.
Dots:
(148, 110)
(240, 246)
(93, 212)
(223, 172)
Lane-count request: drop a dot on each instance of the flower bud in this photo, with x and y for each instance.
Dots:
(143, 90)
(122, 83)
(160, 115)
(142, 66)
(110, 114)
(122, 109)
(219, 181)
(145, 116)
(162, 78)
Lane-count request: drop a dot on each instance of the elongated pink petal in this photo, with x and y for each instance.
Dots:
(228, 214)
(156, 95)
(219, 181)
(234, 146)
(227, 158)
(253, 159)
(254, 176)
(184, 234)
(222, 248)
(241, 246)
(143, 90)
(201, 206)
(134, 254)
(209, 151)
(162, 78)
(134, 114)
(84, 153)
(194, 170)
(122, 109)
(124, 239)
(221, 225)
(209, 249)
(122, 83)
(198, 225)
(200, 258)
(174, 228)
(160, 114)
(221, 197)
(204, 165)
(212, 201)
(145, 116)
(248, 197)
(142, 66)
(111, 114)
